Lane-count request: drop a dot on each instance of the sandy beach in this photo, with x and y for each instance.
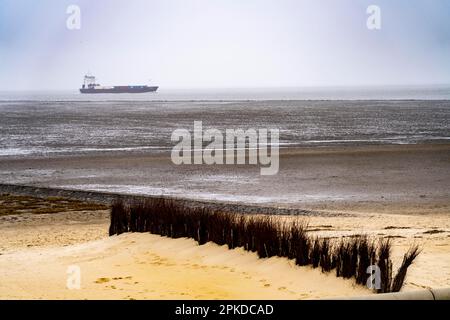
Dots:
(406, 199)
(145, 266)
(37, 250)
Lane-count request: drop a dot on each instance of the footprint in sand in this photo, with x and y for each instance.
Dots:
(102, 280)
(264, 282)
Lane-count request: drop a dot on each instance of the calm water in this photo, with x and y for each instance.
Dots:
(69, 123)
(314, 93)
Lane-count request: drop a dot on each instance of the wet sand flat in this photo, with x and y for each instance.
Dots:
(405, 179)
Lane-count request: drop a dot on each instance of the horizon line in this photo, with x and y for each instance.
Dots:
(339, 87)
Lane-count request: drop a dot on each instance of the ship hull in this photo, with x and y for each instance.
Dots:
(120, 89)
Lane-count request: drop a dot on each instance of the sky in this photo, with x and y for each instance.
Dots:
(223, 43)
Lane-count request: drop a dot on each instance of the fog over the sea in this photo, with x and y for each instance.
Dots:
(224, 43)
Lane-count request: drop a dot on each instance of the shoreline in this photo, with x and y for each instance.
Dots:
(108, 197)
(404, 179)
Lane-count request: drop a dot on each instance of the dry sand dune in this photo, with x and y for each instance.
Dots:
(145, 266)
(37, 249)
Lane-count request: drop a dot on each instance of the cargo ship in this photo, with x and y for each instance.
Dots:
(90, 86)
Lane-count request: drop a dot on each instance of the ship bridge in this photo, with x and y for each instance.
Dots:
(89, 81)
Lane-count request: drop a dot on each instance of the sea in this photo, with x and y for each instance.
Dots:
(35, 124)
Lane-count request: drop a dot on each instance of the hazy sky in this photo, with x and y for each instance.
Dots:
(223, 43)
